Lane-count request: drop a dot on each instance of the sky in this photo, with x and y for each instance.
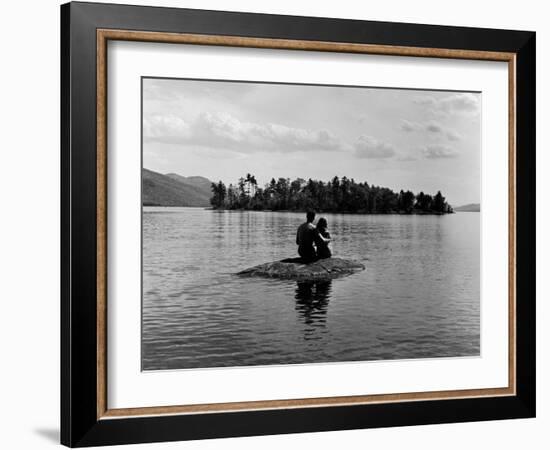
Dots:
(402, 139)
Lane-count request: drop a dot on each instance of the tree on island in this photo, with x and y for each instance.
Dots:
(219, 194)
(336, 195)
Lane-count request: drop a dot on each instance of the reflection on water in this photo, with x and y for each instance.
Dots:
(417, 298)
(312, 301)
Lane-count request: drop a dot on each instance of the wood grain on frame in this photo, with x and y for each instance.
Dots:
(101, 223)
(103, 35)
(512, 223)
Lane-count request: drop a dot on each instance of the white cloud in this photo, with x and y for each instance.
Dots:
(221, 130)
(439, 152)
(371, 148)
(434, 127)
(452, 135)
(407, 125)
(166, 128)
(461, 103)
(431, 127)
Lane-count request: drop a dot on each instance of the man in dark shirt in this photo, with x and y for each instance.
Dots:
(305, 237)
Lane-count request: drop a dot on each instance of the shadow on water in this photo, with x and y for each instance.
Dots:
(312, 300)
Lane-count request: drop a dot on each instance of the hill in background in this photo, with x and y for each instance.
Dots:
(174, 190)
(471, 207)
(199, 182)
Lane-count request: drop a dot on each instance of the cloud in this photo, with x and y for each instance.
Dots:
(434, 127)
(431, 127)
(370, 148)
(166, 129)
(221, 130)
(408, 126)
(452, 135)
(461, 103)
(439, 152)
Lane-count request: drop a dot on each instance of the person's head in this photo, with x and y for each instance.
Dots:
(310, 216)
(322, 223)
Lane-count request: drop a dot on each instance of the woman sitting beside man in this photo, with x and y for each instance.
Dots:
(322, 240)
(309, 235)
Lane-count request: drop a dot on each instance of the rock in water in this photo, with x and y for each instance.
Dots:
(296, 269)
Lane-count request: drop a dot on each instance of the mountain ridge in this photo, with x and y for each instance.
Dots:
(470, 207)
(198, 181)
(174, 190)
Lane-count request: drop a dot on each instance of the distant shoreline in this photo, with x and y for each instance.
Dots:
(338, 196)
(355, 213)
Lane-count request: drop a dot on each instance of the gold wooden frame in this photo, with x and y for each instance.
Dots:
(104, 35)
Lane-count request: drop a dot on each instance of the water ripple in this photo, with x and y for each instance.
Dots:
(418, 298)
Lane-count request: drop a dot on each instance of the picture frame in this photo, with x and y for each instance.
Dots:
(86, 418)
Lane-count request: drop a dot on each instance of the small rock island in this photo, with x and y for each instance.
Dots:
(297, 269)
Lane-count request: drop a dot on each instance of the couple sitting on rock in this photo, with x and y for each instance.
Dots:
(313, 241)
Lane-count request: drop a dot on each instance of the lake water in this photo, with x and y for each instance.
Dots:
(418, 297)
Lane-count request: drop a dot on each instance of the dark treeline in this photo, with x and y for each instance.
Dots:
(337, 195)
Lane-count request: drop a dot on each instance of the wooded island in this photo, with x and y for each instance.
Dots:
(339, 195)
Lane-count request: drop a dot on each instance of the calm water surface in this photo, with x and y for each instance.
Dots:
(418, 297)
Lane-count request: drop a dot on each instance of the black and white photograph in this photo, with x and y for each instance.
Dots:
(299, 224)
(275, 225)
